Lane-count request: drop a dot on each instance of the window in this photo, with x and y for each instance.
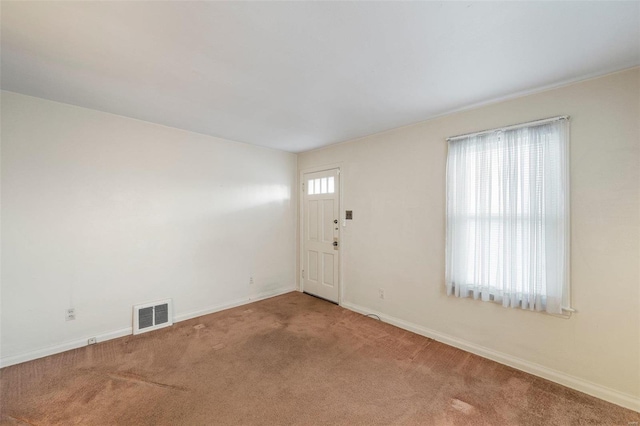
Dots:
(324, 185)
(508, 216)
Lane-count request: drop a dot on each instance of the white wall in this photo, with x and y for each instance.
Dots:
(100, 212)
(395, 184)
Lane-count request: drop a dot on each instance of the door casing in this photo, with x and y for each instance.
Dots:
(341, 221)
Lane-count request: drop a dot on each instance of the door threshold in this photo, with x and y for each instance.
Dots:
(321, 298)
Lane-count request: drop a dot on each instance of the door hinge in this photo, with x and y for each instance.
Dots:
(303, 273)
(303, 187)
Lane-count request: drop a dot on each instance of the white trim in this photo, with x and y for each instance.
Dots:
(63, 347)
(616, 397)
(213, 309)
(78, 343)
(271, 293)
(233, 304)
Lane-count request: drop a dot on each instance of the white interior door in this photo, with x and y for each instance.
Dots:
(321, 232)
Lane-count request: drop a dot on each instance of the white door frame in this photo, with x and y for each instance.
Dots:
(300, 262)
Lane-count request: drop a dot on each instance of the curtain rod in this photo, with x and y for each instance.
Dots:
(515, 126)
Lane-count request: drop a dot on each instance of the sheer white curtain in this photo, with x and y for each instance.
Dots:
(508, 217)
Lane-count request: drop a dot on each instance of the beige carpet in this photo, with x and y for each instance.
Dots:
(292, 359)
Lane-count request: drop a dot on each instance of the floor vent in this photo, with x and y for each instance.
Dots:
(152, 316)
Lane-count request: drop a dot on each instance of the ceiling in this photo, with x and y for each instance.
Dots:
(300, 75)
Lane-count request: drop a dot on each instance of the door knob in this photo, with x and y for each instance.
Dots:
(335, 244)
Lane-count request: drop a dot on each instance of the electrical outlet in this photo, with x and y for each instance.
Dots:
(381, 293)
(70, 314)
(250, 280)
(92, 341)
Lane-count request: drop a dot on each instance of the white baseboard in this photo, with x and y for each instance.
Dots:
(63, 347)
(271, 293)
(78, 343)
(619, 398)
(211, 310)
(232, 304)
